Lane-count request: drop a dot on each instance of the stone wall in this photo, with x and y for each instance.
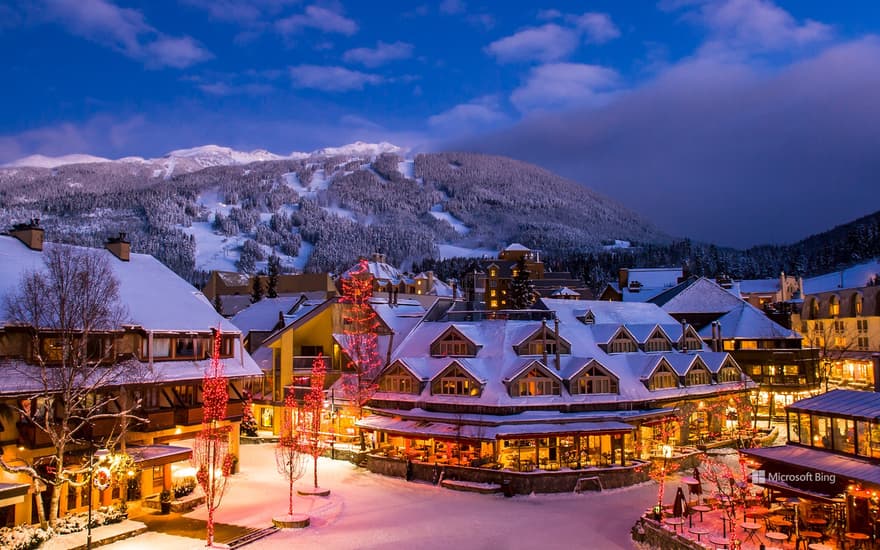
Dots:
(648, 533)
(563, 481)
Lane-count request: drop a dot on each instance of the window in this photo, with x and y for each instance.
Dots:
(536, 382)
(863, 343)
(834, 306)
(814, 308)
(839, 327)
(455, 382)
(453, 344)
(538, 347)
(856, 305)
(397, 380)
(728, 345)
(594, 380)
(698, 376)
(692, 343)
(658, 342)
(267, 417)
(840, 342)
(493, 303)
(186, 395)
(748, 344)
(731, 374)
(622, 343)
(862, 325)
(493, 272)
(663, 379)
(158, 478)
(493, 293)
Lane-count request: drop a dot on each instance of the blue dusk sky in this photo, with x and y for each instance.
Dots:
(732, 121)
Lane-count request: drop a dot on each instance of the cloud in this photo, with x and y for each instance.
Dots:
(549, 15)
(383, 53)
(452, 7)
(546, 43)
(720, 151)
(124, 30)
(596, 27)
(477, 115)
(240, 11)
(753, 26)
(322, 19)
(112, 133)
(560, 85)
(331, 79)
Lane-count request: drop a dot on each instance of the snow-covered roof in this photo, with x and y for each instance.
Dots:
(747, 321)
(697, 296)
(759, 286)
(564, 291)
(856, 276)
(517, 247)
(655, 277)
(156, 298)
(497, 361)
(263, 315)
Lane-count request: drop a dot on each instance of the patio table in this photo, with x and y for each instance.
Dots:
(699, 531)
(676, 523)
(701, 508)
(719, 542)
(751, 528)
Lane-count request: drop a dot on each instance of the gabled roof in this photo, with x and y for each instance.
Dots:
(516, 247)
(156, 298)
(697, 296)
(263, 315)
(537, 334)
(534, 363)
(465, 365)
(756, 286)
(856, 276)
(564, 291)
(747, 321)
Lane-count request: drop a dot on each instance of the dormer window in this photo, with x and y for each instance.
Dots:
(594, 379)
(453, 344)
(663, 378)
(536, 382)
(455, 381)
(834, 306)
(542, 341)
(589, 318)
(658, 342)
(729, 374)
(698, 376)
(398, 380)
(622, 343)
(692, 341)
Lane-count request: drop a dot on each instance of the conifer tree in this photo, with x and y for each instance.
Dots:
(257, 290)
(274, 271)
(521, 289)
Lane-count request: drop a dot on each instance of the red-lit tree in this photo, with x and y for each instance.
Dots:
(248, 422)
(309, 422)
(211, 456)
(360, 326)
(290, 461)
(667, 461)
(730, 486)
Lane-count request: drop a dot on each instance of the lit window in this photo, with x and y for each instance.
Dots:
(657, 342)
(698, 376)
(730, 374)
(455, 382)
(594, 380)
(537, 383)
(664, 379)
(493, 303)
(397, 380)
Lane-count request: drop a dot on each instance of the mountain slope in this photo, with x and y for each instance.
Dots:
(215, 208)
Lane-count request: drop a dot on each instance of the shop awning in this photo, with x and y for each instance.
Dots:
(147, 456)
(12, 493)
(794, 491)
(820, 461)
(448, 430)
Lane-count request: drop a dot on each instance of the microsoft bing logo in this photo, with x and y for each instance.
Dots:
(759, 477)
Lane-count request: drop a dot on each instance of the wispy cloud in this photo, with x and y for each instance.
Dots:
(241, 11)
(749, 26)
(553, 41)
(480, 114)
(598, 28)
(564, 85)
(316, 17)
(451, 7)
(330, 78)
(545, 43)
(124, 30)
(383, 53)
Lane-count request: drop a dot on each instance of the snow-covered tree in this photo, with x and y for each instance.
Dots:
(274, 270)
(522, 292)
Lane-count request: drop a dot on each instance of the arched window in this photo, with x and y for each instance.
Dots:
(856, 304)
(595, 379)
(834, 306)
(536, 382)
(814, 308)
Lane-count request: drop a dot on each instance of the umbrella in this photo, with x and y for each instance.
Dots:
(697, 488)
(680, 505)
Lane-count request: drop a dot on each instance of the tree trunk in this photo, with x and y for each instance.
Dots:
(38, 497)
(290, 490)
(316, 470)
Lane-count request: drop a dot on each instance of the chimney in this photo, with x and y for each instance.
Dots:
(378, 257)
(876, 358)
(720, 345)
(682, 344)
(783, 294)
(556, 330)
(544, 341)
(454, 290)
(120, 247)
(430, 275)
(30, 233)
(622, 278)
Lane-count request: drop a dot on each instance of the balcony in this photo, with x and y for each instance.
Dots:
(188, 416)
(158, 419)
(234, 410)
(104, 427)
(32, 437)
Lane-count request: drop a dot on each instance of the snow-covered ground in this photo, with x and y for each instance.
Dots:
(370, 511)
(215, 251)
(458, 225)
(454, 251)
(407, 168)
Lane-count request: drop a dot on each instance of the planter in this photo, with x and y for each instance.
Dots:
(313, 492)
(165, 507)
(288, 521)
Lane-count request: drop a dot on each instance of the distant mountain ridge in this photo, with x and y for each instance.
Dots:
(212, 207)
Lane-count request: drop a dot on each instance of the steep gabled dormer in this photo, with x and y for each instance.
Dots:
(729, 372)
(452, 343)
(534, 380)
(690, 340)
(543, 341)
(588, 318)
(697, 374)
(593, 378)
(658, 341)
(456, 380)
(662, 377)
(622, 342)
(397, 378)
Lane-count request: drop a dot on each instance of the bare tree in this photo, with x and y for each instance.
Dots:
(832, 338)
(71, 310)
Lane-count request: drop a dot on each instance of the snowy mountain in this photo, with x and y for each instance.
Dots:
(41, 161)
(213, 207)
(183, 161)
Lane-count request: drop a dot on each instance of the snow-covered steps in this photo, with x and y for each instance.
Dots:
(251, 536)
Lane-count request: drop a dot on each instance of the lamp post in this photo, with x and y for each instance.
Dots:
(99, 454)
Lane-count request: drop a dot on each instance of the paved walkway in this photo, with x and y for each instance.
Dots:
(181, 526)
